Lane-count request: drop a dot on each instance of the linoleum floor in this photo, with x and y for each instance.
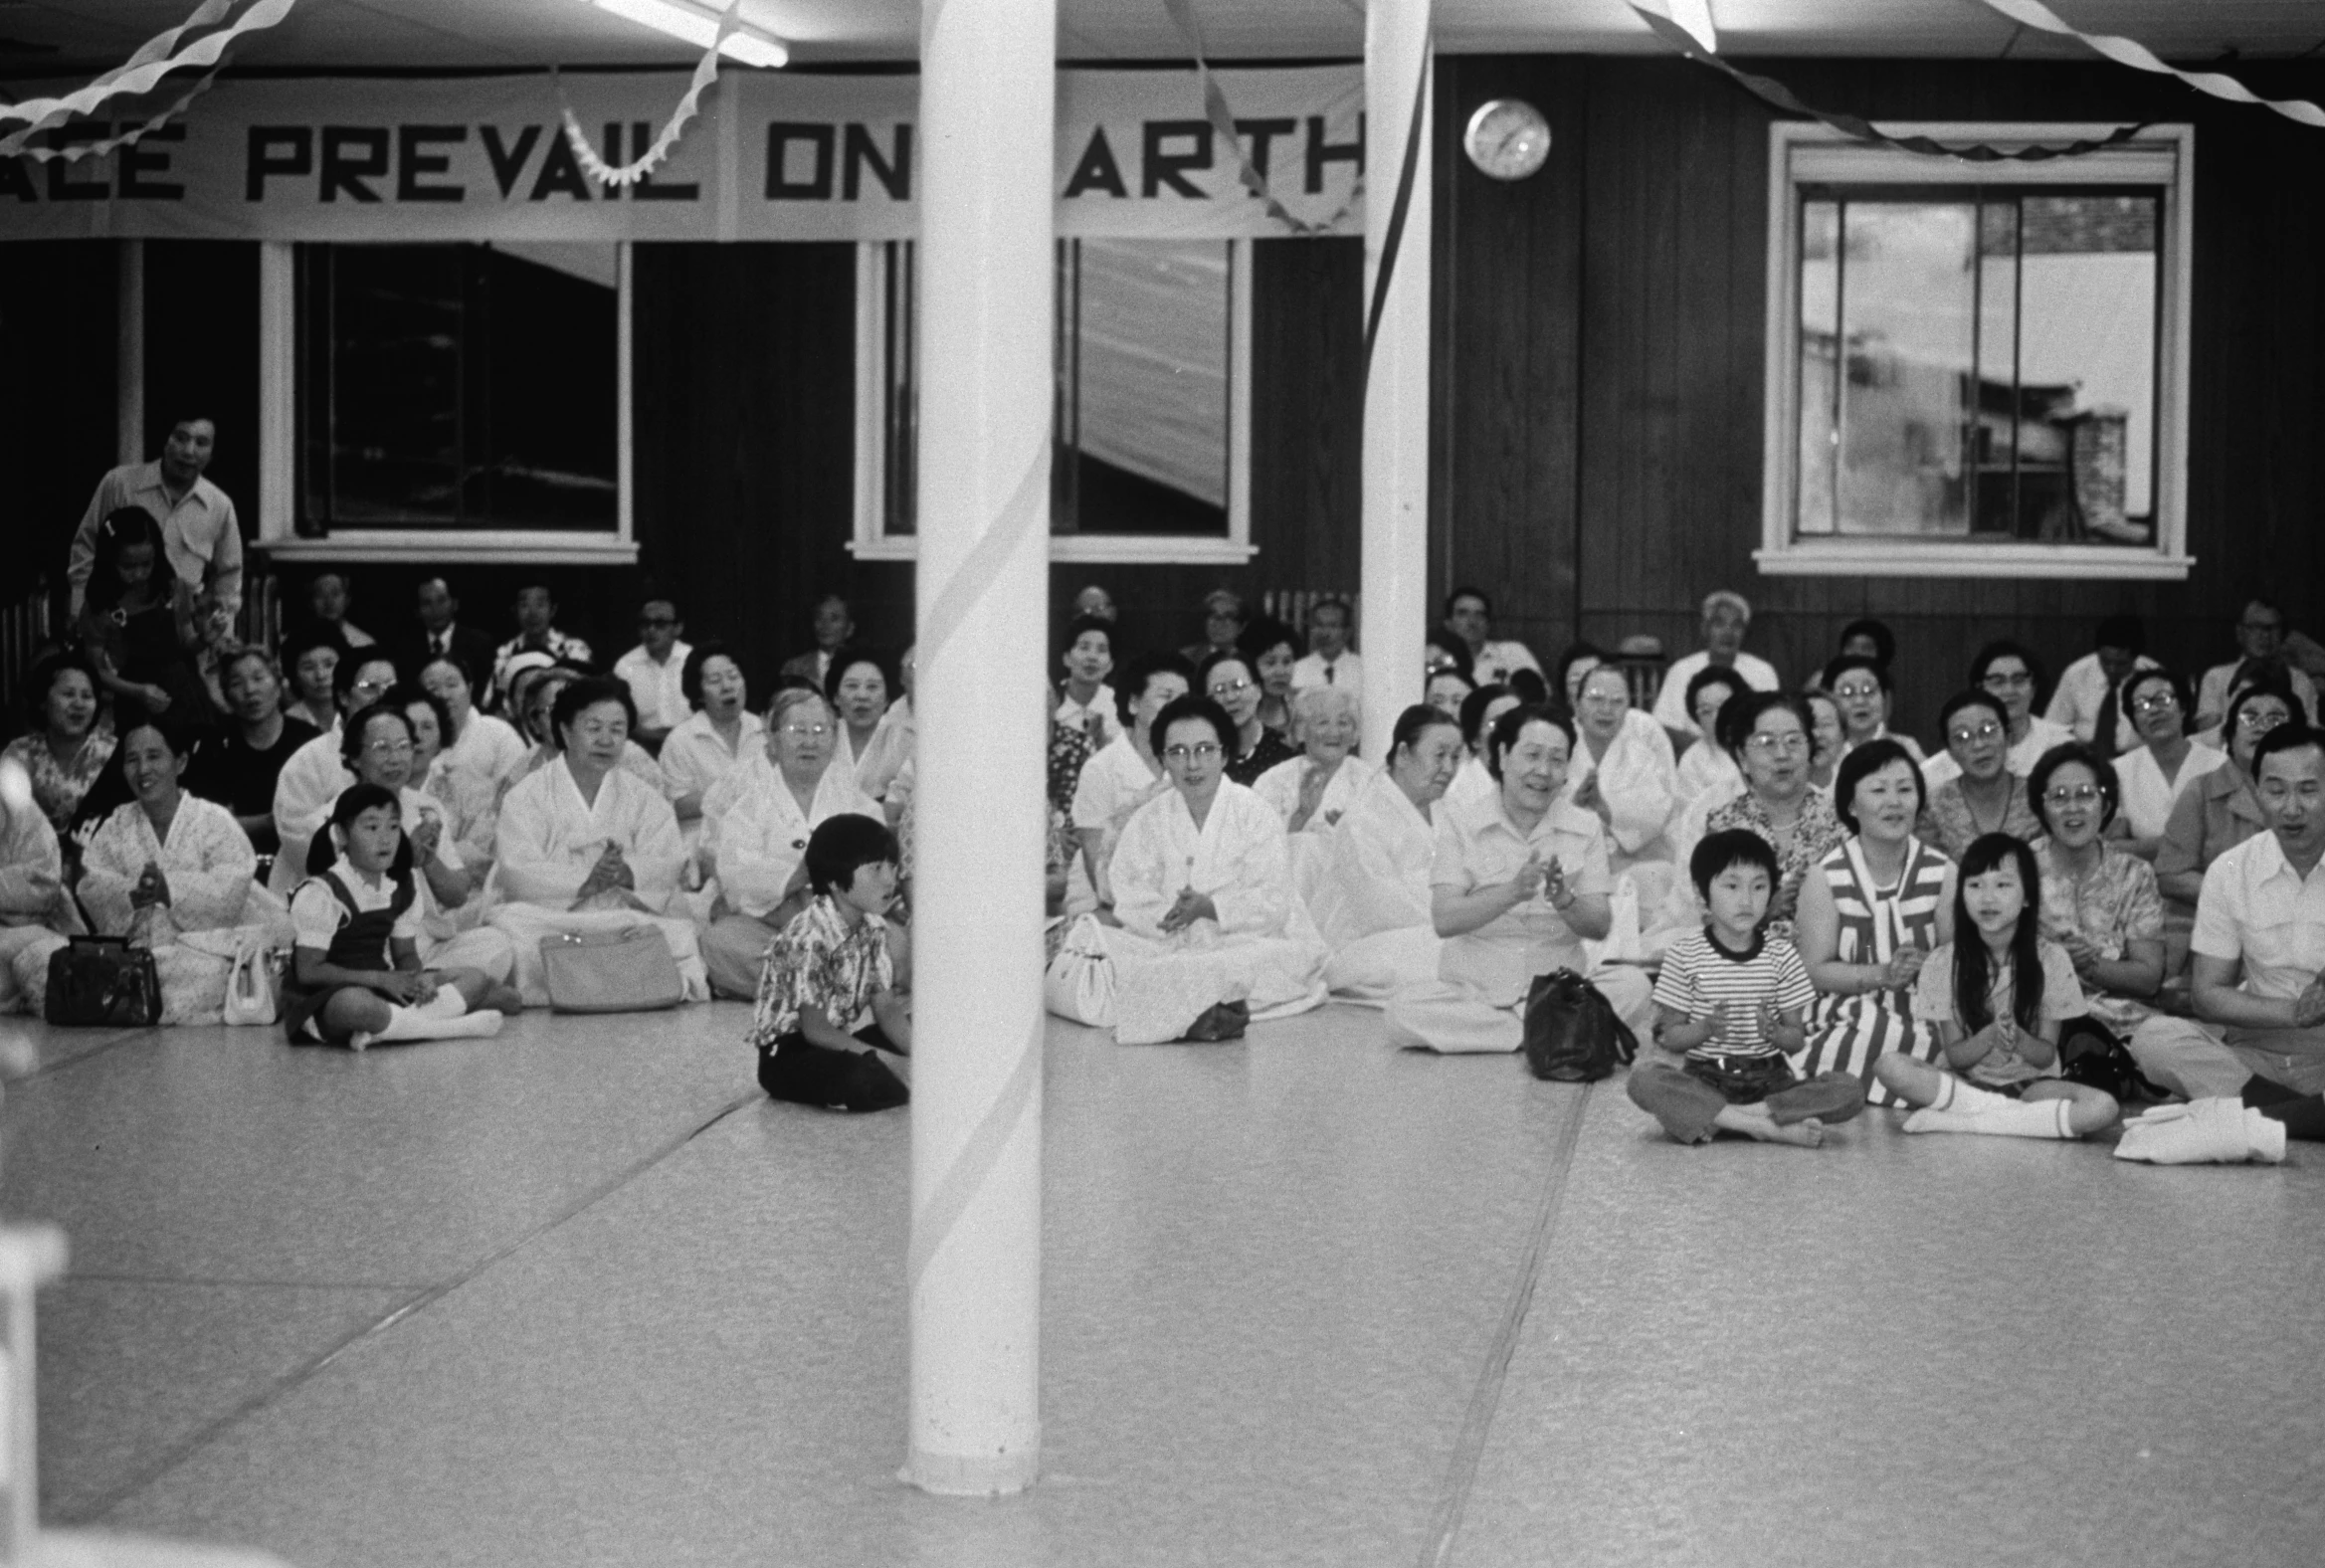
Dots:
(581, 1295)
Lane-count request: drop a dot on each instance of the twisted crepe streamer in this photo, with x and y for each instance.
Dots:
(965, 1177)
(1394, 241)
(145, 69)
(13, 145)
(1777, 94)
(2125, 51)
(630, 173)
(1223, 123)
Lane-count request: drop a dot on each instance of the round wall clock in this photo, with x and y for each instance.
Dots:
(1507, 138)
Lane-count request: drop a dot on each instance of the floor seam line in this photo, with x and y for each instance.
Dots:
(419, 1301)
(50, 1069)
(1485, 1399)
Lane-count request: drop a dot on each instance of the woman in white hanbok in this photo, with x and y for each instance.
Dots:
(1313, 790)
(478, 757)
(586, 847)
(1124, 773)
(35, 909)
(1477, 714)
(1371, 906)
(869, 743)
(765, 809)
(1624, 773)
(719, 736)
(1201, 881)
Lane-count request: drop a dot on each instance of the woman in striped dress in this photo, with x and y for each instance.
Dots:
(1875, 908)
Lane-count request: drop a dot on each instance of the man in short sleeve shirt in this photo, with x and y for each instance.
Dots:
(200, 535)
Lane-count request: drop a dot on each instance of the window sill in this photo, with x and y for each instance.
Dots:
(481, 548)
(1106, 549)
(1880, 558)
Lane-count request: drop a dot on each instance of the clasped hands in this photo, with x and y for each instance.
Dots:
(1539, 878)
(1723, 1027)
(611, 874)
(1189, 908)
(153, 887)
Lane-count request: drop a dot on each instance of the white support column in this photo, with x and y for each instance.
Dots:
(988, 100)
(277, 391)
(1395, 575)
(130, 356)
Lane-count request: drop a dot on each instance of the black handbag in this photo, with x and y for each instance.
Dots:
(1572, 1033)
(102, 981)
(1221, 1021)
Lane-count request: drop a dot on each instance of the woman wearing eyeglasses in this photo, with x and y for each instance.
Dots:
(2166, 764)
(1624, 773)
(2098, 904)
(756, 821)
(1770, 742)
(1202, 884)
(2222, 808)
(316, 772)
(1981, 794)
(2013, 676)
(1230, 679)
(1862, 690)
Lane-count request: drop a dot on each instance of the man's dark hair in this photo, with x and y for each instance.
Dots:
(1458, 594)
(2126, 632)
(1507, 728)
(580, 696)
(1143, 668)
(1885, 639)
(1195, 704)
(1716, 852)
(2286, 737)
(843, 845)
(1474, 708)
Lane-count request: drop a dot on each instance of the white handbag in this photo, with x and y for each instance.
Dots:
(1080, 982)
(253, 994)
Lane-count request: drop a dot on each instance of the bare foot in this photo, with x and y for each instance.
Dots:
(1756, 1122)
(1809, 1134)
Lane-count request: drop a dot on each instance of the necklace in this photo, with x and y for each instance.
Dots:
(1970, 806)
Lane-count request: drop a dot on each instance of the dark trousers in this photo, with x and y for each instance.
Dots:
(805, 1073)
(1686, 1095)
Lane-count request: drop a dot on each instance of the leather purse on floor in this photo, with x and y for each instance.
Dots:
(628, 971)
(99, 981)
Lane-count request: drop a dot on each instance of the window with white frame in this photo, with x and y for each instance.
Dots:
(1151, 401)
(450, 400)
(1976, 369)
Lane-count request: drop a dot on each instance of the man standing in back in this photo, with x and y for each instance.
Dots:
(200, 537)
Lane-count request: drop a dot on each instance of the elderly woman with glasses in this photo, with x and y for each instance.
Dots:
(2098, 904)
(757, 819)
(2156, 773)
(1770, 735)
(1202, 882)
(2223, 807)
(1230, 677)
(1624, 773)
(1981, 795)
(2013, 676)
(1862, 692)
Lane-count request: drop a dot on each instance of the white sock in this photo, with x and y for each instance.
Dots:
(447, 1003)
(408, 1023)
(1966, 1098)
(2213, 1131)
(2006, 1118)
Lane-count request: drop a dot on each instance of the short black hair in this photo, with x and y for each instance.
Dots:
(1133, 682)
(1262, 633)
(1220, 655)
(1333, 601)
(2181, 690)
(2004, 647)
(1841, 664)
(357, 799)
(2286, 737)
(1716, 852)
(1861, 763)
(1740, 714)
(843, 845)
(2259, 688)
(1415, 722)
(1081, 625)
(307, 639)
(405, 692)
(2059, 756)
(352, 663)
(845, 659)
(1507, 728)
(578, 697)
(1195, 704)
(458, 661)
(690, 673)
(1474, 708)
(1715, 675)
(1885, 639)
(1570, 655)
(129, 717)
(351, 733)
(2121, 630)
(1529, 685)
(1975, 696)
(1458, 594)
(42, 680)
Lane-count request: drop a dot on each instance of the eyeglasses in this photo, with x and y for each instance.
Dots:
(1963, 738)
(1228, 688)
(2077, 795)
(1201, 751)
(369, 686)
(818, 730)
(1606, 699)
(1856, 694)
(2154, 702)
(1778, 745)
(390, 749)
(2261, 719)
(2004, 678)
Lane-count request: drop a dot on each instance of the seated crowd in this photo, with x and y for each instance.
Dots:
(1796, 907)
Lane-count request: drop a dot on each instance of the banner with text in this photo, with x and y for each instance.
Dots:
(775, 156)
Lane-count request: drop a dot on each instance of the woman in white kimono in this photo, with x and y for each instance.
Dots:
(164, 868)
(1517, 882)
(1124, 773)
(766, 809)
(584, 845)
(1478, 712)
(478, 757)
(720, 734)
(1623, 772)
(1201, 882)
(1315, 790)
(1372, 905)
(35, 909)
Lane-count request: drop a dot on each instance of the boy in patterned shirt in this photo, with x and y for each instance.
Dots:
(1728, 1006)
(828, 982)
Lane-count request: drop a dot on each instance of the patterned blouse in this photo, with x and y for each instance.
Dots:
(1069, 749)
(2113, 905)
(1948, 822)
(1270, 749)
(818, 961)
(57, 787)
(1816, 833)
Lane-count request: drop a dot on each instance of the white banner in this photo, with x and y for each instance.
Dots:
(775, 156)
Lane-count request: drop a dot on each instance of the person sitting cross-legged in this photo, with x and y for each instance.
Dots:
(1729, 1005)
(828, 982)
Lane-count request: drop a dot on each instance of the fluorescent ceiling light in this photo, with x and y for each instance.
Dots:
(1693, 15)
(699, 25)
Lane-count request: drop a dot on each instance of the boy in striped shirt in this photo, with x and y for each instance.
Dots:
(1728, 1006)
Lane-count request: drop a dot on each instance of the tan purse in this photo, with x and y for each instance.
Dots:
(629, 971)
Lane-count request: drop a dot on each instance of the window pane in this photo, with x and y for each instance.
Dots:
(1820, 384)
(2088, 361)
(1908, 329)
(458, 386)
(1997, 456)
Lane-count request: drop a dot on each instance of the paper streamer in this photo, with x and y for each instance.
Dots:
(13, 144)
(146, 69)
(1223, 124)
(1020, 516)
(966, 1176)
(1775, 93)
(2127, 52)
(630, 173)
(1394, 240)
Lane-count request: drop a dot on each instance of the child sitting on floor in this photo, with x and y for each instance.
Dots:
(828, 982)
(356, 975)
(1997, 994)
(1728, 1006)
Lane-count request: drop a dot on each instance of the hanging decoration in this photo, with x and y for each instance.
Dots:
(2126, 51)
(14, 144)
(706, 76)
(144, 71)
(1777, 95)
(1223, 126)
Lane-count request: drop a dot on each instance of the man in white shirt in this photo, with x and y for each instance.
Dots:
(655, 670)
(1329, 660)
(199, 535)
(1470, 619)
(2086, 700)
(1727, 616)
(2260, 639)
(2261, 1035)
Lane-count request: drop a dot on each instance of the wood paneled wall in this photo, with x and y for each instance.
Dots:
(1598, 359)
